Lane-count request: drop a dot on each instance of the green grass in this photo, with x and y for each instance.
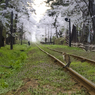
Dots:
(73, 50)
(49, 73)
(44, 70)
(15, 58)
(34, 64)
(84, 68)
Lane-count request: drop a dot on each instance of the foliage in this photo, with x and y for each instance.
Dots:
(21, 10)
(59, 41)
(80, 12)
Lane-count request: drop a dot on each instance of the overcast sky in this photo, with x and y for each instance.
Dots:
(40, 7)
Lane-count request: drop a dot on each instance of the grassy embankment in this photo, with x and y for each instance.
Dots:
(11, 61)
(34, 73)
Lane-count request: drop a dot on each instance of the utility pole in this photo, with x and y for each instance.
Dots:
(69, 32)
(68, 20)
(11, 29)
(1, 29)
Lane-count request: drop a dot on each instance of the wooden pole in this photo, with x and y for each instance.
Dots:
(11, 29)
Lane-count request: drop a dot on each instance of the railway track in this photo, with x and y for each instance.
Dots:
(90, 86)
(75, 56)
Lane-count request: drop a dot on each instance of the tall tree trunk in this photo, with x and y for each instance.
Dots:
(92, 13)
(16, 16)
(55, 25)
(56, 32)
(74, 34)
(93, 19)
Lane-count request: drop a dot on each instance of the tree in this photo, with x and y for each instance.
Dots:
(81, 13)
(92, 14)
(20, 8)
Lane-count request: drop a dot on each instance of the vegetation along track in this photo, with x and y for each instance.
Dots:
(75, 56)
(82, 67)
(82, 80)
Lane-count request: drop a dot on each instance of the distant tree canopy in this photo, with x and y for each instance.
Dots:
(20, 9)
(58, 2)
(81, 13)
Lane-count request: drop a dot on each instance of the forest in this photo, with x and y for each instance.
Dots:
(52, 26)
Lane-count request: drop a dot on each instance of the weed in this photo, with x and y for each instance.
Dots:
(14, 58)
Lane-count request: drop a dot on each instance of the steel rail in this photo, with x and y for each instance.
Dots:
(90, 86)
(80, 57)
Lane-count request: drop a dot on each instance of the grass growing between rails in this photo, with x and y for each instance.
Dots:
(42, 76)
(39, 75)
(85, 69)
(11, 61)
(73, 50)
(51, 78)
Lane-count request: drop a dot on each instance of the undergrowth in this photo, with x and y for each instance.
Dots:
(10, 63)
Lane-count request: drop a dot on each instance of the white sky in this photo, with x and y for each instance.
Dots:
(40, 7)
